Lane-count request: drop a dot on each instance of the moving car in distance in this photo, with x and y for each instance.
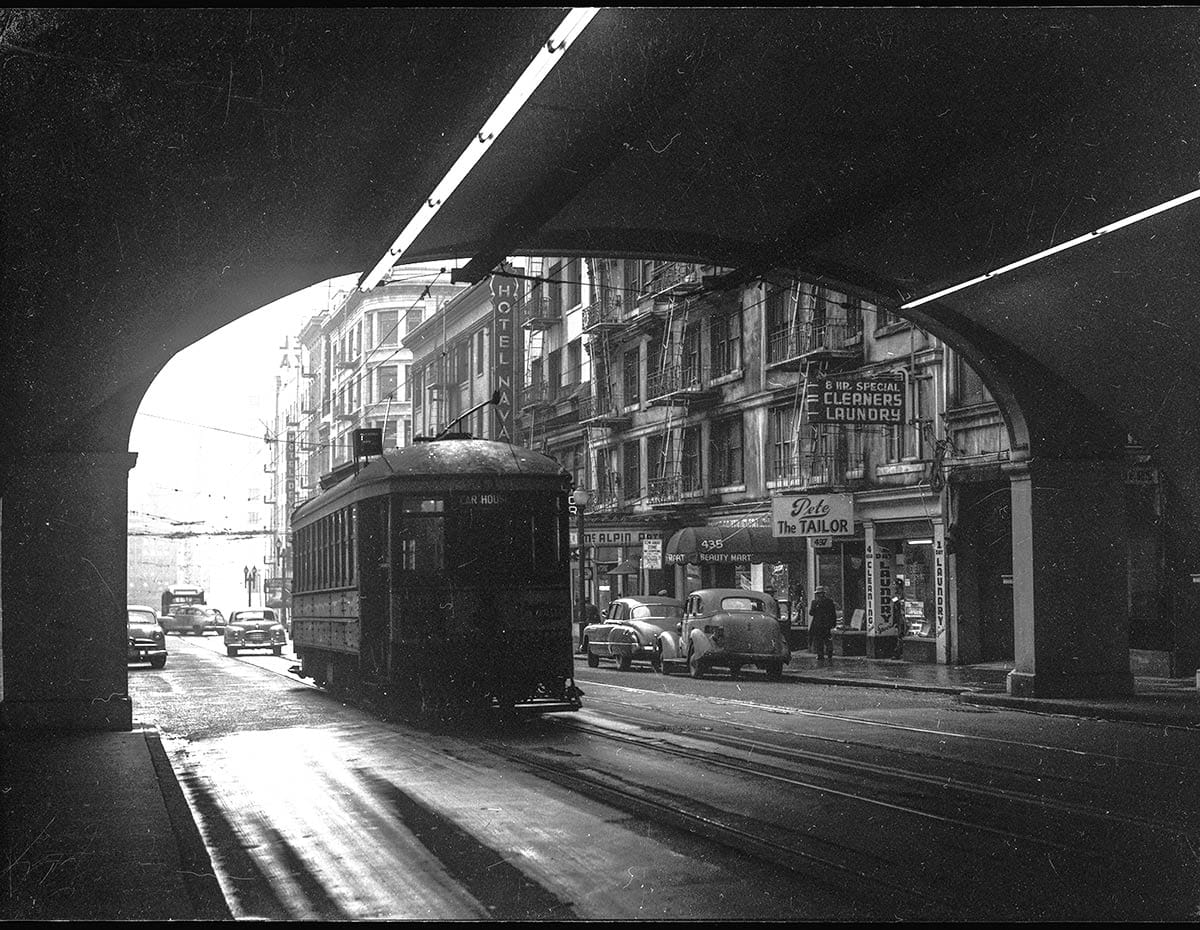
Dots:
(195, 618)
(727, 628)
(174, 599)
(147, 641)
(254, 628)
(630, 630)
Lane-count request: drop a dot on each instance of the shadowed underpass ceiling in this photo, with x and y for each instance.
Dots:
(169, 171)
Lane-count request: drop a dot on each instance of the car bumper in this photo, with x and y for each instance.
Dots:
(719, 656)
(256, 643)
(144, 654)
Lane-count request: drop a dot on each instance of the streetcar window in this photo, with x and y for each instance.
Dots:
(420, 544)
(512, 536)
(413, 505)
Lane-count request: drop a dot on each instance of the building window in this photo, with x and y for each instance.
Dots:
(726, 339)
(781, 441)
(386, 328)
(554, 373)
(631, 370)
(412, 319)
(725, 459)
(386, 375)
(693, 476)
(406, 380)
(915, 438)
(573, 289)
(631, 470)
(968, 386)
(574, 361)
(479, 351)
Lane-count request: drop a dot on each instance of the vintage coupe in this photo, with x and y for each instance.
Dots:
(727, 628)
(630, 630)
(254, 628)
(147, 641)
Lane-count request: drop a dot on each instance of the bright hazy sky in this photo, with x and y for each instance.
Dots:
(199, 430)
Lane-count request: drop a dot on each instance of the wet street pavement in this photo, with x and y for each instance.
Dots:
(668, 798)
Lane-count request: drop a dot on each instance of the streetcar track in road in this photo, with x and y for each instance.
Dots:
(883, 724)
(889, 771)
(872, 888)
(739, 766)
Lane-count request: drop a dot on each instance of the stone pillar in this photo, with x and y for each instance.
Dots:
(63, 569)
(1071, 636)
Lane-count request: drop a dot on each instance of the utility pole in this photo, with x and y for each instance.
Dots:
(580, 498)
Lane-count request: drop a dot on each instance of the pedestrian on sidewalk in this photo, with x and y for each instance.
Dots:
(899, 620)
(824, 617)
(591, 614)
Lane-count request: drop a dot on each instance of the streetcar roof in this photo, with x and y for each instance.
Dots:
(437, 461)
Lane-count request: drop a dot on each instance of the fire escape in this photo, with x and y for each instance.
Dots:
(816, 336)
(539, 312)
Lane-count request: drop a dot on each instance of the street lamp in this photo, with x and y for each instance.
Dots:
(250, 574)
(580, 498)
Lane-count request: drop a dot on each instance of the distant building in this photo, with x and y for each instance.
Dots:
(346, 369)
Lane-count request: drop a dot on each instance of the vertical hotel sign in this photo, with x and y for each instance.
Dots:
(504, 309)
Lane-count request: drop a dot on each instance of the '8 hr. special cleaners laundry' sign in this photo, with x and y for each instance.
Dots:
(858, 400)
(812, 515)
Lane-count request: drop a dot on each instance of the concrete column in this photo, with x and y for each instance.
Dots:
(1069, 579)
(63, 639)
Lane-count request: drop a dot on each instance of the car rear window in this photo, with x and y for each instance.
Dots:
(657, 612)
(746, 603)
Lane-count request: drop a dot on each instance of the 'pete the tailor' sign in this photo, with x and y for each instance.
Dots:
(858, 400)
(505, 292)
(812, 515)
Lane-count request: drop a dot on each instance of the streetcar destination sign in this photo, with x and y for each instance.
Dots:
(812, 515)
(858, 400)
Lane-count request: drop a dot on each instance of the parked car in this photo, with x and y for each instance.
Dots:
(194, 618)
(254, 628)
(727, 628)
(630, 630)
(147, 639)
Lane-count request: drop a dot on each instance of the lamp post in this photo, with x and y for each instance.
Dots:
(250, 574)
(580, 498)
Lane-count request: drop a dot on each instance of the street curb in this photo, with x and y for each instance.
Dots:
(1149, 716)
(195, 866)
(875, 683)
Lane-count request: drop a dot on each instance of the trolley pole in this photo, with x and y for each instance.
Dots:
(580, 498)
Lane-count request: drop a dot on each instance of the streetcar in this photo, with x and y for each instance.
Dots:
(436, 580)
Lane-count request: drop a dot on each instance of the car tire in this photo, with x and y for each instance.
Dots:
(656, 664)
(735, 671)
(592, 659)
(774, 671)
(277, 650)
(197, 631)
(624, 663)
(231, 650)
(695, 666)
(158, 663)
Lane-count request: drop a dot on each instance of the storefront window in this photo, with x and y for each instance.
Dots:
(913, 572)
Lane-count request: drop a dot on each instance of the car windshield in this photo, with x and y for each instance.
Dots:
(142, 616)
(253, 616)
(747, 603)
(656, 612)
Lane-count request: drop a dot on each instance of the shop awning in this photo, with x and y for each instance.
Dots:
(630, 566)
(709, 544)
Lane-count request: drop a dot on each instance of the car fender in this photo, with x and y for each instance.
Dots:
(700, 643)
(668, 642)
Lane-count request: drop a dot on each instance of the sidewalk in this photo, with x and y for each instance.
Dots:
(94, 826)
(1156, 701)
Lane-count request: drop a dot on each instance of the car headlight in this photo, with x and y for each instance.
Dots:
(277, 628)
